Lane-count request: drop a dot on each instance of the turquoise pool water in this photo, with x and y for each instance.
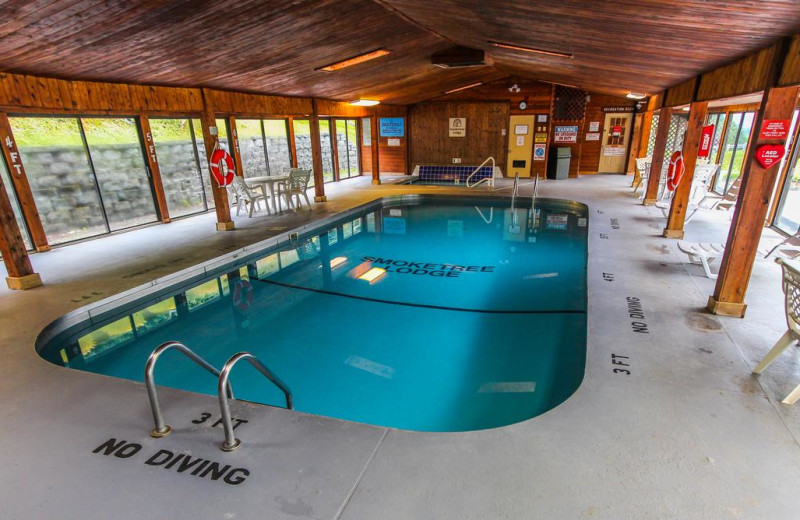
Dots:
(446, 317)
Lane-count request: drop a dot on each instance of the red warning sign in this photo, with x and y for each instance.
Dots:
(769, 154)
(706, 139)
(774, 129)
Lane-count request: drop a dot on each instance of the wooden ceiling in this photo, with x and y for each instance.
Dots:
(273, 46)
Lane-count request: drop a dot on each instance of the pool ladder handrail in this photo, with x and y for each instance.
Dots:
(231, 442)
(490, 180)
(160, 429)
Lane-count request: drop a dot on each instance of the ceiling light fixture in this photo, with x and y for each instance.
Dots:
(355, 60)
(365, 102)
(514, 47)
(459, 89)
(635, 95)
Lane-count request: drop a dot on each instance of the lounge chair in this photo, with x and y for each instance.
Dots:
(297, 185)
(724, 202)
(641, 173)
(791, 290)
(245, 197)
(701, 183)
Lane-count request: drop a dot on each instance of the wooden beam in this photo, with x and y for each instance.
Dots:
(751, 209)
(208, 121)
(21, 186)
(235, 150)
(12, 248)
(292, 144)
(691, 145)
(155, 169)
(653, 180)
(316, 156)
(376, 166)
(635, 142)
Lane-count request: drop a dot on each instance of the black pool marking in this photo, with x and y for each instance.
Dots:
(439, 307)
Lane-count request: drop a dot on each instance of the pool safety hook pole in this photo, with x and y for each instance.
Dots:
(160, 429)
(231, 443)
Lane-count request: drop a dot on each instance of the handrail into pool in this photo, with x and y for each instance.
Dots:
(231, 442)
(490, 180)
(161, 429)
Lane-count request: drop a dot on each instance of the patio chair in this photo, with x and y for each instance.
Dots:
(701, 183)
(704, 253)
(724, 202)
(245, 197)
(297, 185)
(791, 290)
(641, 173)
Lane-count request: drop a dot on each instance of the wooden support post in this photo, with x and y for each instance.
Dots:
(208, 121)
(751, 209)
(235, 150)
(335, 148)
(644, 138)
(316, 156)
(16, 171)
(654, 179)
(635, 142)
(691, 145)
(376, 163)
(155, 170)
(292, 144)
(12, 248)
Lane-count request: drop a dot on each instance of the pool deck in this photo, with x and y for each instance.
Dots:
(690, 433)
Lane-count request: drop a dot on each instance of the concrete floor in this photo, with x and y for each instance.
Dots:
(688, 434)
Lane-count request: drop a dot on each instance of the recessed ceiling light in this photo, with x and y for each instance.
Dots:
(515, 47)
(355, 60)
(636, 95)
(365, 102)
(459, 89)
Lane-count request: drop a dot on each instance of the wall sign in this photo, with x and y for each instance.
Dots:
(520, 129)
(539, 152)
(616, 131)
(520, 140)
(618, 109)
(593, 136)
(594, 126)
(540, 138)
(774, 129)
(614, 151)
(541, 118)
(391, 127)
(706, 139)
(566, 134)
(768, 155)
(458, 127)
(393, 142)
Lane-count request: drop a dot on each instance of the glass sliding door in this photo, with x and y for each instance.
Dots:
(734, 148)
(327, 149)
(787, 214)
(302, 143)
(279, 155)
(181, 174)
(116, 156)
(718, 120)
(252, 147)
(61, 177)
(347, 147)
(202, 159)
(15, 207)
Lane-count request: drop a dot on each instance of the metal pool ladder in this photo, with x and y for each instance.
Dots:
(489, 180)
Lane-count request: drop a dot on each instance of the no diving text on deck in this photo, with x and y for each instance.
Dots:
(421, 268)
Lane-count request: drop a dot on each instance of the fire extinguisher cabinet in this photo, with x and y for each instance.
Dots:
(558, 162)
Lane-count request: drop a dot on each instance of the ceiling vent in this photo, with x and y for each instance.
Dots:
(460, 57)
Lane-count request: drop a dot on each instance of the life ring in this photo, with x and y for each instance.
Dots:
(676, 170)
(242, 294)
(221, 165)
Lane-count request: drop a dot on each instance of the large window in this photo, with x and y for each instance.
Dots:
(279, 155)
(327, 149)
(718, 120)
(200, 147)
(15, 207)
(302, 143)
(787, 215)
(733, 149)
(178, 160)
(264, 147)
(347, 147)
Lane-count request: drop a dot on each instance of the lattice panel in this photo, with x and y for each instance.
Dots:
(677, 127)
(651, 141)
(570, 103)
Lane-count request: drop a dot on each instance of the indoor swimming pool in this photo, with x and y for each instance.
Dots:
(431, 313)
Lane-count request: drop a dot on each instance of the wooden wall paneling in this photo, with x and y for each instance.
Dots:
(12, 248)
(680, 199)
(680, 94)
(16, 170)
(790, 75)
(222, 207)
(745, 76)
(589, 151)
(375, 150)
(235, 150)
(657, 162)
(751, 209)
(154, 168)
(332, 108)
(655, 102)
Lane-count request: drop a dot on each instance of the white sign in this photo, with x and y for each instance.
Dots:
(393, 142)
(541, 118)
(521, 130)
(566, 134)
(594, 126)
(614, 151)
(520, 140)
(538, 152)
(458, 127)
(593, 136)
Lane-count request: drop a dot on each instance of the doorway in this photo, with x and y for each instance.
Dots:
(520, 146)
(613, 152)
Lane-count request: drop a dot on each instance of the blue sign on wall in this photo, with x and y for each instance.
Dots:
(391, 127)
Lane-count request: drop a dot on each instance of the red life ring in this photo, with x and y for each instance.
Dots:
(242, 294)
(676, 170)
(221, 165)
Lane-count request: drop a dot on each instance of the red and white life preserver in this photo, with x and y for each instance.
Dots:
(221, 165)
(676, 170)
(242, 294)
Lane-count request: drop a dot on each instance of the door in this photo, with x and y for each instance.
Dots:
(520, 146)
(616, 132)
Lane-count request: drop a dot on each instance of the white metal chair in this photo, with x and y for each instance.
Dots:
(642, 171)
(297, 185)
(791, 290)
(245, 197)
